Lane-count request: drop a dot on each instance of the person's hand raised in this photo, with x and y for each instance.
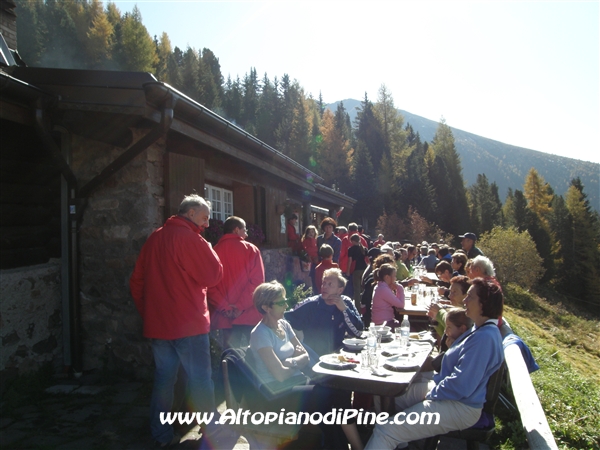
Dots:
(339, 302)
(434, 308)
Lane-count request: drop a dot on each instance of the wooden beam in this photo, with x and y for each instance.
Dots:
(15, 113)
(218, 144)
(533, 417)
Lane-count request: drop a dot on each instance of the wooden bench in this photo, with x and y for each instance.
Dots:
(533, 418)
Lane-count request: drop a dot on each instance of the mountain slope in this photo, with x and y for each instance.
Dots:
(505, 164)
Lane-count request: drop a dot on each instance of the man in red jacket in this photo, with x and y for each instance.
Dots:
(243, 270)
(169, 284)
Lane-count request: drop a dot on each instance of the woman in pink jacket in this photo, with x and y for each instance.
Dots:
(387, 295)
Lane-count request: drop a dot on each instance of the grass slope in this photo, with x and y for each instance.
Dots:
(566, 345)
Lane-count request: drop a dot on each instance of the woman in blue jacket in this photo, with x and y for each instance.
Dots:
(457, 394)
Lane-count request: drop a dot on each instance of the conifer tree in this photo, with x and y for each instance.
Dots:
(507, 208)
(164, 52)
(518, 216)
(394, 139)
(342, 121)
(213, 84)
(113, 15)
(321, 104)
(585, 245)
(368, 202)
(233, 100)
(333, 151)
(62, 47)
(446, 178)
(369, 132)
(250, 95)
(536, 192)
(292, 134)
(315, 134)
(189, 74)
(298, 145)
(208, 92)
(268, 112)
(560, 223)
(31, 29)
(99, 42)
(415, 189)
(538, 204)
(137, 49)
(485, 205)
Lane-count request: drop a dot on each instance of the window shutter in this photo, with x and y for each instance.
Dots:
(184, 176)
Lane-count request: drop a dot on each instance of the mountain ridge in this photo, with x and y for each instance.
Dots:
(505, 164)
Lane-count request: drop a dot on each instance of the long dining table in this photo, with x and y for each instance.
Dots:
(387, 383)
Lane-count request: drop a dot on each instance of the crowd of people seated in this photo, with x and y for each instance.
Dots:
(358, 282)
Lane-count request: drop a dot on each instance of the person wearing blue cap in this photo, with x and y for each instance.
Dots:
(468, 245)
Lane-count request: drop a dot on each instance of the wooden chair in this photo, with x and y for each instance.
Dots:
(243, 390)
(477, 434)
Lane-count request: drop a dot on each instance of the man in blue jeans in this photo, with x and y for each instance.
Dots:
(173, 271)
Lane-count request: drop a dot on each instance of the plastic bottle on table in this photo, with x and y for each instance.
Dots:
(372, 338)
(404, 331)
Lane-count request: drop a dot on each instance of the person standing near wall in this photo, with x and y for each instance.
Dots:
(174, 269)
(243, 271)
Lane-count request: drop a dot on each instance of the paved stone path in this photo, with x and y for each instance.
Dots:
(89, 416)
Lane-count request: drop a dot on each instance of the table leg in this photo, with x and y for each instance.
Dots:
(388, 405)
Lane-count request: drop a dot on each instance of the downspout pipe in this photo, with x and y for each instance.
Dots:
(77, 201)
(69, 262)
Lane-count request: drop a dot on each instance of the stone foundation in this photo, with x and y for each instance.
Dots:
(30, 318)
(280, 265)
(120, 216)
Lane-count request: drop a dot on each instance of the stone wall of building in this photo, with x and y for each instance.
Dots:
(280, 265)
(120, 215)
(30, 318)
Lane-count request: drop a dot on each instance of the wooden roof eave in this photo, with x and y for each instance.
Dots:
(201, 124)
(332, 196)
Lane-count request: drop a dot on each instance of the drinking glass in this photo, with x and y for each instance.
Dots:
(365, 360)
(373, 360)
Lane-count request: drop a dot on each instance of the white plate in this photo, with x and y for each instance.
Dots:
(332, 360)
(400, 363)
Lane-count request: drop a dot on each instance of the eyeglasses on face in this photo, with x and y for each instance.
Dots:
(283, 302)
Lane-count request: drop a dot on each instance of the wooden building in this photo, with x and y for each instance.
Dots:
(92, 162)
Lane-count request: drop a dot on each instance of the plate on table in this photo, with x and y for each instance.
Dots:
(355, 345)
(334, 362)
(401, 363)
(387, 338)
(424, 337)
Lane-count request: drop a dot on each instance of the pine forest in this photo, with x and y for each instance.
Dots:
(404, 186)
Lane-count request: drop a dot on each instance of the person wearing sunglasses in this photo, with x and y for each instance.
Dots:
(278, 353)
(280, 359)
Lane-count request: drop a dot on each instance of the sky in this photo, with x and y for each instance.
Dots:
(525, 73)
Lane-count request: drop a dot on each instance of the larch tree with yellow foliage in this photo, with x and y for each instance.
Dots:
(537, 194)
